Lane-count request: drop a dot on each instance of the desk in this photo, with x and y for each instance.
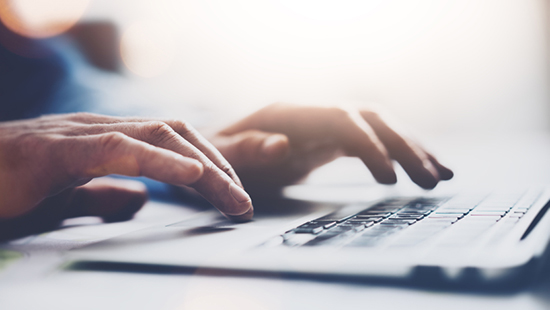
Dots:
(39, 281)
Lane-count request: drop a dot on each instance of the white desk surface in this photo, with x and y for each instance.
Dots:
(37, 280)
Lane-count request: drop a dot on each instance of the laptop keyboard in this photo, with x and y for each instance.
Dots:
(404, 222)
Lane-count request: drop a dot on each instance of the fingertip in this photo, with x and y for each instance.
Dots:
(387, 178)
(428, 183)
(246, 217)
(243, 208)
(275, 146)
(432, 177)
(426, 178)
(445, 173)
(128, 211)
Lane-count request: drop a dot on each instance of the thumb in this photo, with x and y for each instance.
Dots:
(112, 199)
(254, 148)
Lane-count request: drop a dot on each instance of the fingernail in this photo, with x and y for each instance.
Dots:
(239, 194)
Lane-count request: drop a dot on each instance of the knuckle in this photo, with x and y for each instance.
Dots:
(159, 131)
(227, 169)
(185, 129)
(338, 112)
(371, 114)
(209, 166)
(111, 141)
(183, 125)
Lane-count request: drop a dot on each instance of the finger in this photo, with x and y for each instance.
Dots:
(444, 172)
(180, 127)
(112, 199)
(419, 167)
(46, 216)
(360, 140)
(203, 145)
(414, 161)
(115, 153)
(254, 148)
(215, 184)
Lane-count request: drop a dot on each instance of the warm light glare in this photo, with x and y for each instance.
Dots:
(41, 18)
(147, 48)
(330, 10)
(436, 64)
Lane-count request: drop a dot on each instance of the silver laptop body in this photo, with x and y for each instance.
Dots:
(497, 237)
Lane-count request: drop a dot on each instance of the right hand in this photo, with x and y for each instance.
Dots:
(49, 157)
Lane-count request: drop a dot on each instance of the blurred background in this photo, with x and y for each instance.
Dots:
(439, 66)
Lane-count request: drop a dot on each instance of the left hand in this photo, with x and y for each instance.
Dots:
(281, 143)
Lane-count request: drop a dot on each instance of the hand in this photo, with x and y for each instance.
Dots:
(282, 143)
(49, 159)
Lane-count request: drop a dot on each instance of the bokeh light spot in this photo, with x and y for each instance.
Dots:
(41, 18)
(147, 48)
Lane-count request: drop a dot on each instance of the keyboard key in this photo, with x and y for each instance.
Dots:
(398, 221)
(308, 230)
(464, 217)
(369, 219)
(458, 214)
(338, 216)
(452, 218)
(407, 216)
(457, 210)
(375, 213)
(359, 220)
(318, 223)
(341, 229)
(515, 216)
(386, 208)
(423, 207)
(488, 215)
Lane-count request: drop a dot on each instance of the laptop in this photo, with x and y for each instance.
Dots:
(495, 237)
(489, 238)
